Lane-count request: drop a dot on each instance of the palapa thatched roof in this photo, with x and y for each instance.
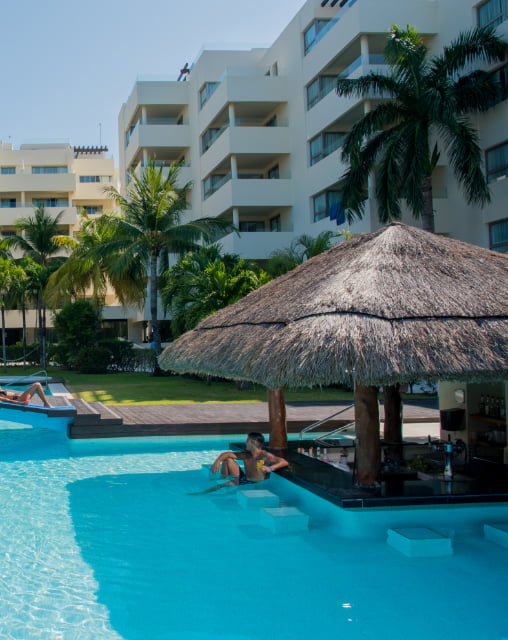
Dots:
(399, 304)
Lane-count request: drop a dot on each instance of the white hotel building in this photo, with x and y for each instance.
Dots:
(259, 132)
(63, 179)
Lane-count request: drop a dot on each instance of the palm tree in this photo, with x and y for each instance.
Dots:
(424, 110)
(36, 241)
(10, 276)
(23, 292)
(301, 249)
(205, 281)
(149, 229)
(84, 273)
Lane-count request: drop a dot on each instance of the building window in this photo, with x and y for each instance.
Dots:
(275, 223)
(313, 34)
(92, 210)
(206, 92)
(496, 160)
(7, 233)
(251, 226)
(49, 202)
(492, 13)
(325, 204)
(8, 203)
(95, 178)
(213, 183)
(319, 88)
(49, 170)
(8, 170)
(501, 77)
(324, 144)
(499, 236)
(271, 122)
(210, 136)
(273, 173)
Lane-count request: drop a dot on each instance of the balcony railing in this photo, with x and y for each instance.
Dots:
(373, 58)
(330, 24)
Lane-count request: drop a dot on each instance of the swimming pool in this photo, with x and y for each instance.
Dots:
(99, 540)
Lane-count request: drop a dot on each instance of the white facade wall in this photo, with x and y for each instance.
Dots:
(64, 179)
(258, 88)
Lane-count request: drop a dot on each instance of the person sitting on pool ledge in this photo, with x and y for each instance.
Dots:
(258, 463)
(23, 397)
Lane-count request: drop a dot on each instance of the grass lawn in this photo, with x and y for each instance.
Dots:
(142, 388)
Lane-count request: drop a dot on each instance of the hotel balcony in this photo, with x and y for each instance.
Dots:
(156, 137)
(252, 90)
(25, 180)
(248, 193)
(9, 215)
(156, 92)
(367, 17)
(496, 209)
(333, 107)
(256, 245)
(261, 141)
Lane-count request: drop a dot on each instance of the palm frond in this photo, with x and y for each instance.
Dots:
(476, 92)
(465, 156)
(479, 44)
(369, 85)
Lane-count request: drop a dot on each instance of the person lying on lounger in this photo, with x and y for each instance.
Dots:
(258, 464)
(23, 397)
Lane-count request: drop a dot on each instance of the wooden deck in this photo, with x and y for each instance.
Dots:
(95, 420)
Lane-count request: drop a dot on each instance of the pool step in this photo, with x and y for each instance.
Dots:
(257, 499)
(419, 542)
(497, 532)
(94, 414)
(284, 519)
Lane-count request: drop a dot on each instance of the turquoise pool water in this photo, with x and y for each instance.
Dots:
(100, 541)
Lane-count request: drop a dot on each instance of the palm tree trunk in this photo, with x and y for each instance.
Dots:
(428, 205)
(43, 337)
(153, 303)
(154, 293)
(4, 347)
(41, 327)
(23, 316)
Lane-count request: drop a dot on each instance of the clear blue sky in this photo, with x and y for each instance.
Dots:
(68, 66)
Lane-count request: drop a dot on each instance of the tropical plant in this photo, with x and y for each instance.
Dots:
(75, 329)
(10, 276)
(35, 239)
(85, 274)
(149, 229)
(23, 293)
(423, 110)
(301, 249)
(205, 281)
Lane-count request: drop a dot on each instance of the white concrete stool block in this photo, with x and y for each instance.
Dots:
(285, 519)
(497, 532)
(420, 542)
(257, 499)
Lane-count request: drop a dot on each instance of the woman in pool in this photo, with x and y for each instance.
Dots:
(24, 397)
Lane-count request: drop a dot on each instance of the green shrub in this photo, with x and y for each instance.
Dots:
(93, 360)
(122, 354)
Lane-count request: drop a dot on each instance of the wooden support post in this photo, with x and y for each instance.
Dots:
(392, 432)
(368, 449)
(277, 417)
